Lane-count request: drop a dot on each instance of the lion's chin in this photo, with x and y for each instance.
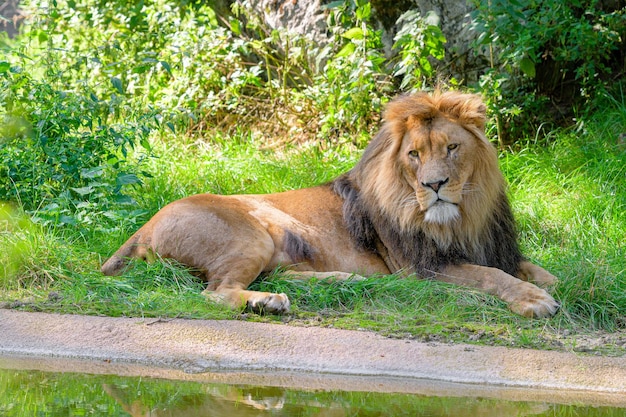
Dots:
(442, 213)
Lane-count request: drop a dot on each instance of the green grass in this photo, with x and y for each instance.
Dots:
(570, 199)
(569, 195)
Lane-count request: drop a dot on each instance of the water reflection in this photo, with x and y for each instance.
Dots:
(30, 393)
(216, 401)
(228, 401)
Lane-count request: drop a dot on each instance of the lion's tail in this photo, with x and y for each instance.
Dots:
(133, 248)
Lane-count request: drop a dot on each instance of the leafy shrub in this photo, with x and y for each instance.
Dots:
(418, 41)
(351, 84)
(232, 69)
(546, 51)
(64, 151)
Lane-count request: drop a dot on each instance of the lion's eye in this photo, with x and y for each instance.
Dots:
(414, 154)
(453, 146)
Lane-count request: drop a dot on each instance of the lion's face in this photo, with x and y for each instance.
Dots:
(436, 156)
(431, 168)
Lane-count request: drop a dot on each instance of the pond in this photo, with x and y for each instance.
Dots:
(37, 392)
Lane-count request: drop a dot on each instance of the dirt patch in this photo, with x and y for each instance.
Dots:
(598, 343)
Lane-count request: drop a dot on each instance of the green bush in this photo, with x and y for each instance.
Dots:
(63, 149)
(547, 57)
(358, 79)
(222, 70)
(418, 41)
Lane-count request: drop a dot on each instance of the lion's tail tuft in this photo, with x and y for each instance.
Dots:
(113, 266)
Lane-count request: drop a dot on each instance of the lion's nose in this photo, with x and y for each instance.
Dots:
(436, 185)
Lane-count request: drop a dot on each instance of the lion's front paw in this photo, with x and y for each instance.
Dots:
(536, 274)
(529, 300)
(269, 303)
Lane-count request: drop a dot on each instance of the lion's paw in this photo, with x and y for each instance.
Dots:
(529, 300)
(536, 274)
(269, 303)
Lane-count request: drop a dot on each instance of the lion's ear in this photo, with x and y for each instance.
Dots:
(473, 111)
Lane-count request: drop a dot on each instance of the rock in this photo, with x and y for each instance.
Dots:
(10, 17)
(304, 17)
(462, 60)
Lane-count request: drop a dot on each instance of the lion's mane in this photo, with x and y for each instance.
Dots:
(376, 195)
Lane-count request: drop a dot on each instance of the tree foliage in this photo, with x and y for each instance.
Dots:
(548, 57)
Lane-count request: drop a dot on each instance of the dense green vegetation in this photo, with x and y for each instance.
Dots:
(547, 59)
(108, 113)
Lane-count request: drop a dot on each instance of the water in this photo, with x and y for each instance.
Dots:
(42, 393)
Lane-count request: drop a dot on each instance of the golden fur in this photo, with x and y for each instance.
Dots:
(427, 197)
(409, 120)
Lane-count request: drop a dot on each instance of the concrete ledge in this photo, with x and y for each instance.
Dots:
(263, 354)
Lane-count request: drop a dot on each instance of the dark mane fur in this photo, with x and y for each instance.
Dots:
(355, 214)
(417, 251)
(298, 249)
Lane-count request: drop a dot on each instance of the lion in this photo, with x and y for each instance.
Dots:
(426, 199)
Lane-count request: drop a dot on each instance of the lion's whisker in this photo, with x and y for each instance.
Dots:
(409, 201)
(469, 188)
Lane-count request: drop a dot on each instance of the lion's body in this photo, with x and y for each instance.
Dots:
(302, 229)
(427, 197)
